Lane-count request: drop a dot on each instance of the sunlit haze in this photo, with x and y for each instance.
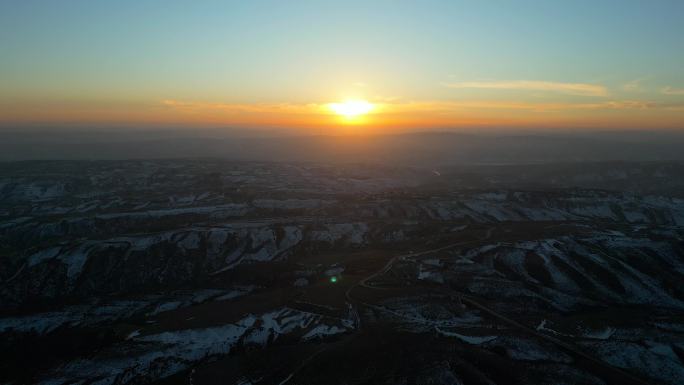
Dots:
(351, 109)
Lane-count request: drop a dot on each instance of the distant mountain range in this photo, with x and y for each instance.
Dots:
(421, 149)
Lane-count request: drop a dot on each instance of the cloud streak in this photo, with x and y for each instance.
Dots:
(672, 91)
(578, 89)
(456, 106)
(402, 107)
(633, 85)
(242, 108)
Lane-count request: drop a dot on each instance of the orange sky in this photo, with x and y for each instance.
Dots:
(386, 116)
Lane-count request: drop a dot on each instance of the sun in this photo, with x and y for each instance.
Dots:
(351, 108)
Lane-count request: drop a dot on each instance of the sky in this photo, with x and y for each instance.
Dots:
(429, 64)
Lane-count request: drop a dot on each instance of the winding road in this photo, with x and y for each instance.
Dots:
(617, 375)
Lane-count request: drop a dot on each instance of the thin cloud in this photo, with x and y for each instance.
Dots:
(672, 91)
(236, 108)
(390, 106)
(579, 89)
(633, 85)
(450, 107)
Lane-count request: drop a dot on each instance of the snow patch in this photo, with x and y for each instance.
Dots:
(473, 340)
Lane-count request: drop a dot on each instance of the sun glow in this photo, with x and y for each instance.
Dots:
(351, 108)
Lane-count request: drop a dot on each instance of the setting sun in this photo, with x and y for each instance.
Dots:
(351, 108)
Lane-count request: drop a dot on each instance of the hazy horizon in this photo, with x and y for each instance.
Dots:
(422, 148)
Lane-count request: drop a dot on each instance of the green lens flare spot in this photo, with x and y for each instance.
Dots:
(333, 279)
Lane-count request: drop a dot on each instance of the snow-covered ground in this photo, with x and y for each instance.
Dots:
(147, 357)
